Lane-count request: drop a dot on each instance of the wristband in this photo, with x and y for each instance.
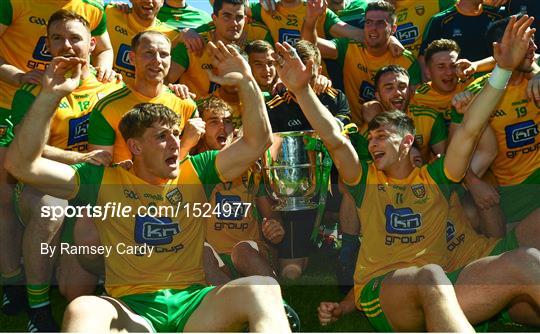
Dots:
(499, 77)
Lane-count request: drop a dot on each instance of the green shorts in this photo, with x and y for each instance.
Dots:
(67, 226)
(369, 297)
(226, 258)
(167, 310)
(518, 201)
(6, 128)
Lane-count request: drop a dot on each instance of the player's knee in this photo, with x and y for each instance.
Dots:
(523, 264)
(261, 286)
(81, 308)
(291, 271)
(243, 250)
(430, 275)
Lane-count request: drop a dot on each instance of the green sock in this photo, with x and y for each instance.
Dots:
(13, 277)
(38, 295)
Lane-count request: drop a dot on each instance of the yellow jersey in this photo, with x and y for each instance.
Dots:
(27, 21)
(463, 244)
(158, 244)
(106, 115)
(359, 68)
(425, 95)
(69, 126)
(430, 128)
(515, 122)
(412, 19)
(122, 27)
(403, 221)
(195, 76)
(234, 220)
(285, 24)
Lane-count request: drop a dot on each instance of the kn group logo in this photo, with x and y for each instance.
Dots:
(230, 207)
(450, 231)
(155, 231)
(367, 91)
(290, 36)
(213, 87)
(122, 57)
(407, 33)
(40, 51)
(402, 220)
(521, 134)
(78, 130)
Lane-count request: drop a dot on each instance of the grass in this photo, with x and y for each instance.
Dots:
(316, 285)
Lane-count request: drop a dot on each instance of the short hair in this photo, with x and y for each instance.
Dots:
(136, 40)
(241, 51)
(213, 104)
(385, 7)
(218, 4)
(439, 45)
(388, 69)
(64, 15)
(306, 51)
(495, 32)
(395, 118)
(143, 116)
(258, 46)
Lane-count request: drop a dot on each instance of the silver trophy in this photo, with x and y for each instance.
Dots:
(290, 171)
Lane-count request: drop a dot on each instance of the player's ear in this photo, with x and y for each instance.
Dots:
(393, 29)
(131, 56)
(92, 44)
(408, 141)
(214, 17)
(134, 146)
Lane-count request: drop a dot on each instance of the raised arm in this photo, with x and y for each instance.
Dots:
(508, 53)
(234, 70)
(314, 9)
(103, 53)
(296, 77)
(24, 159)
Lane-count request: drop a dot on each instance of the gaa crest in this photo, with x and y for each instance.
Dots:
(418, 190)
(174, 196)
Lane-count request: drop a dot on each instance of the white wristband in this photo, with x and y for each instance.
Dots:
(499, 77)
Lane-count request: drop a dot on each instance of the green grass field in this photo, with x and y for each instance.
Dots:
(316, 285)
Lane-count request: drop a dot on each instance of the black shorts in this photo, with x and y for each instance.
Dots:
(298, 226)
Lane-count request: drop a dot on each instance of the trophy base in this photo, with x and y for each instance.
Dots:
(295, 204)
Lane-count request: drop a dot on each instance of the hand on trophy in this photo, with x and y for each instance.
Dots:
(232, 68)
(292, 72)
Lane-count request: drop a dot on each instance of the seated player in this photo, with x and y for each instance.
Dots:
(400, 280)
(23, 58)
(143, 285)
(68, 35)
(235, 233)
